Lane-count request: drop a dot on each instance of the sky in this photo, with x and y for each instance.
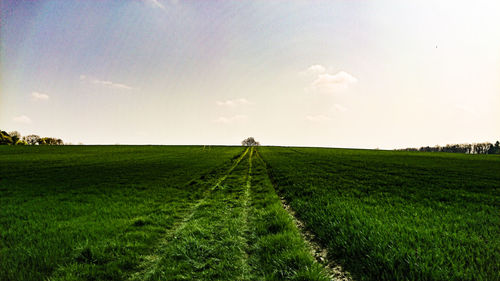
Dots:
(343, 73)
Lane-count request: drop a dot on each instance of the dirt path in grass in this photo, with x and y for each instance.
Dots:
(320, 253)
(239, 230)
(151, 261)
(211, 244)
(246, 230)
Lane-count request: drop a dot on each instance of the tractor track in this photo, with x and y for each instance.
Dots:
(246, 199)
(335, 271)
(152, 260)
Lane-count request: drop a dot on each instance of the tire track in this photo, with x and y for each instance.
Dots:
(335, 270)
(246, 198)
(231, 169)
(212, 244)
(151, 261)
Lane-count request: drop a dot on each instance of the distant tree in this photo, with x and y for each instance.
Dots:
(5, 138)
(467, 148)
(250, 142)
(485, 147)
(494, 149)
(15, 135)
(21, 142)
(42, 141)
(50, 141)
(32, 139)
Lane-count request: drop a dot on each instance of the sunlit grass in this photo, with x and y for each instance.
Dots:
(93, 212)
(395, 215)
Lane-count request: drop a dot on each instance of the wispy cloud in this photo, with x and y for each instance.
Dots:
(234, 102)
(159, 4)
(332, 83)
(326, 82)
(155, 3)
(22, 119)
(230, 119)
(315, 69)
(105, 83)
(317, 118)
(36, 96)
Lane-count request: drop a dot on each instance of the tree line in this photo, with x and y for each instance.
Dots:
(15, 138)
(468, 148)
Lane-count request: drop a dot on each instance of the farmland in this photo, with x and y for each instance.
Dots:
(144, 213)
(214, 213)
(90, 212)
(397, 215)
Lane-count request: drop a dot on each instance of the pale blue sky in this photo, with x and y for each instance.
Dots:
(325, 73)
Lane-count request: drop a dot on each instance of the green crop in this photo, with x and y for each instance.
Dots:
(397, 215)
(213, 213)
(91, 212)
(145, 213)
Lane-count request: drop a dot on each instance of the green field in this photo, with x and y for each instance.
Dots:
(397, 215)
(214, 213)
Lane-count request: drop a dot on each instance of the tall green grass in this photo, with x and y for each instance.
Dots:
(145, 213)
(278, 251)
(397, 215)
(239, 232)
(173, 213)
(93, 212)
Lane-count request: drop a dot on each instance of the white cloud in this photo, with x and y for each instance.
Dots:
(112, 84)
(339, 107)
(234, 102)
(22, 119)
(326, 82)
(39, 96)
(329, 83)
(315, 69)
(230, 119)
(317, 118)
(105, 83)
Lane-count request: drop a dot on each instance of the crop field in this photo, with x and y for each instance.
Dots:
(397, 215)
(145, 213)
(217, 213)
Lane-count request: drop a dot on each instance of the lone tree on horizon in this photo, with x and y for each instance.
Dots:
(250, 142)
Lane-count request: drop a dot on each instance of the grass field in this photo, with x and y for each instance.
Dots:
(397, 215)
(90, 212)
(195, 213)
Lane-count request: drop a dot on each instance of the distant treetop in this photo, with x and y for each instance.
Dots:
(250, 142)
